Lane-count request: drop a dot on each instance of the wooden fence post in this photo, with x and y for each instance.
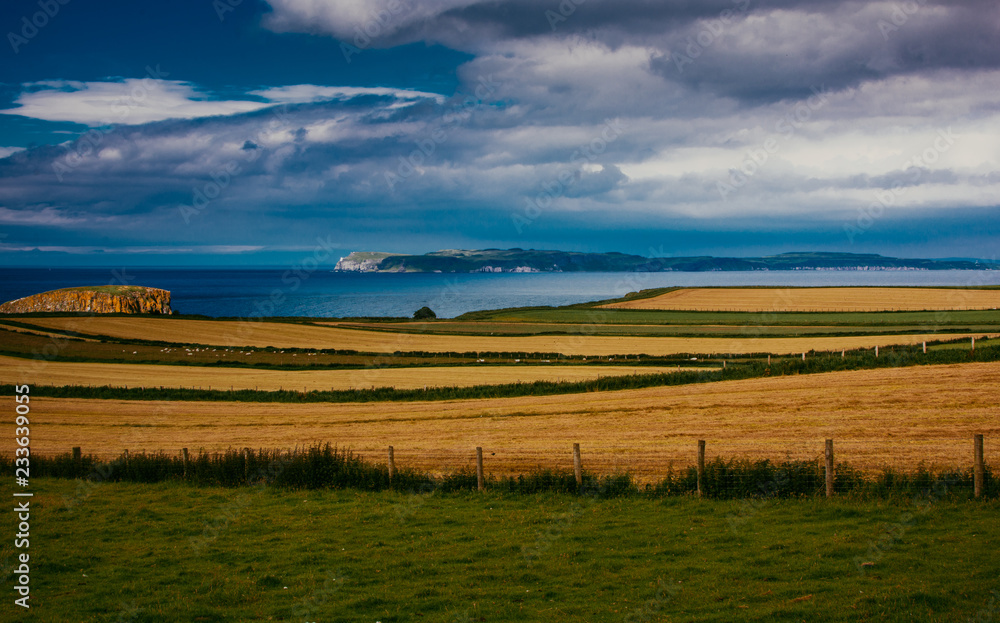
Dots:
(479, 469)
(125, 455)
(577, 464)
(701, 465)
(829, 468)
(246, 464)
(184, 457)
(980, 467)
(876, 351)
(392, 464)
(77, 455)
(925, 348)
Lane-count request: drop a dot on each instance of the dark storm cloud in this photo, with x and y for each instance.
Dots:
(786, 54)
(754, 50)
(807, 109)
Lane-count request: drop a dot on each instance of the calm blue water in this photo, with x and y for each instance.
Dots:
(280, 292)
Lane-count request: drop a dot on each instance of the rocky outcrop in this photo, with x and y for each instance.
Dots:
(96, 300)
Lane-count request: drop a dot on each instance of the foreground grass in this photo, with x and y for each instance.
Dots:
(170, 552)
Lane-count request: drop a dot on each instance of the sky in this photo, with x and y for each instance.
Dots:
(243, 132)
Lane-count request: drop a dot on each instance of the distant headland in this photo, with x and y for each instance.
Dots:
(538, 261)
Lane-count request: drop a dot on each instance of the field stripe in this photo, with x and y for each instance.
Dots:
(145, 375)
(283, 335)
(897, 416)
(817, 300)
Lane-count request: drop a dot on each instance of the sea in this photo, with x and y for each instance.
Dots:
(320, 292)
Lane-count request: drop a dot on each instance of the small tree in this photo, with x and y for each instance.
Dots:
(424, 313)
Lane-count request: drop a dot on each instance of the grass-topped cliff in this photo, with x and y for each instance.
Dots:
(118, 299)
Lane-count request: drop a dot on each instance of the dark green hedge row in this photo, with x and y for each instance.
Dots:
(894, 357)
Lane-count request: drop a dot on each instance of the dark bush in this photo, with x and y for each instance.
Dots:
(424, 313)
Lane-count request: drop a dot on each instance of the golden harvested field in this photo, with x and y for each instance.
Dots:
(142, 375)
(899, 416)
(817, 299)
(282, 335)
(40, 332)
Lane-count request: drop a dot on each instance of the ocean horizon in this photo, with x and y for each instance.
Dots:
(280, 291)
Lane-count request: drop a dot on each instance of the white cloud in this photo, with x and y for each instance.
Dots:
(351, 19)
(139, 101)
(47, 216)
(134, 250)
(685, 131)
(9, 151)
(129, 102)
(304, 93)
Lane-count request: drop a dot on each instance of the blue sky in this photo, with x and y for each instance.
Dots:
(245, 132)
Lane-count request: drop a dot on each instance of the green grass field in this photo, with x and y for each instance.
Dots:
(446, 327)
(871, 320)
(171, 552)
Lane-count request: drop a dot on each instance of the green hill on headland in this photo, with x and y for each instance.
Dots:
(531, 260)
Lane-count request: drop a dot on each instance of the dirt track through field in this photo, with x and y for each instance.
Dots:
(144, 375)
(901, 416)
(283, 335)
(816, 299)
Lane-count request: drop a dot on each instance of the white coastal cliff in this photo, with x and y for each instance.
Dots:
(361, 262)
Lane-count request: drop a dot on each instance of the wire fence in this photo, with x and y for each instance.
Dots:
(837, 468)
